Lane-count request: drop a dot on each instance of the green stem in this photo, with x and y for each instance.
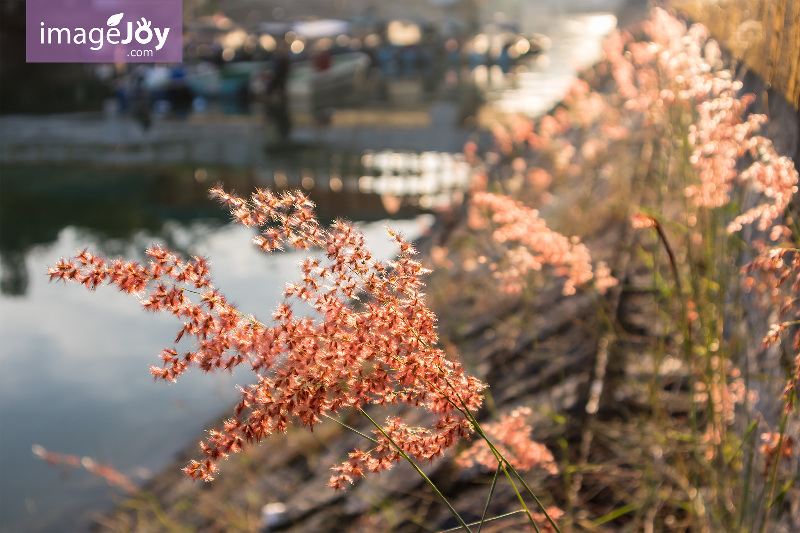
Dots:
(500, 517)
(354, 430)
(489, 499)
(427, 480)
(774, 471)
(506, 466)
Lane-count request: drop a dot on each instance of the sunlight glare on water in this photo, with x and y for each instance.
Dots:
(576, 44)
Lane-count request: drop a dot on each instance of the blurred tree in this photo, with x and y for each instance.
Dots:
(40, 87)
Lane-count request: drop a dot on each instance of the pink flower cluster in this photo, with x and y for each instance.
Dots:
(586, 106)
(373, 341)
(108, 473)
(720, 138)
(680, 69)
(776, 178)
(530, 244)
(677, 67)
(724, 390)
(395, 439)
(511, 435)
(776, 275)
(775, 447)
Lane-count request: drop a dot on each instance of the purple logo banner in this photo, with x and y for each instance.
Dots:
(104, 31)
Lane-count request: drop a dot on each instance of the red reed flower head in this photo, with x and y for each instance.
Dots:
(373, 340)
(108, 473)
(528, 244)
(775, 448)
(511, 435)
(640, 220)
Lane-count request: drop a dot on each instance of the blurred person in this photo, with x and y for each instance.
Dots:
(279, 71)
(504, 59)
(410, 61)
(453, 49)
(139, 97)
(277, 106)
(321, 57)
(387, 69)
(430, 66)
(321, 60)
(454, 64)
(178, 93)
(477, 53)
(387, 60)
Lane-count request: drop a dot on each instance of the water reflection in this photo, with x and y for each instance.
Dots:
(427, 180)
(13, 274)
(115, 204)
(75, 376)
(66, 352)
(75, 370)
(573, 44)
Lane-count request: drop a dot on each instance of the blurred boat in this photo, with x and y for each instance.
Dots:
(232, 79)
(341, 84)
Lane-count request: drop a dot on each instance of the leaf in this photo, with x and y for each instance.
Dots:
(113, 20)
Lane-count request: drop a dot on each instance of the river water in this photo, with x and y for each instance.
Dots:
(74, 365)
(75, 375)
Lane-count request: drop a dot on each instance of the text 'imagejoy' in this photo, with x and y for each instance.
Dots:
(69, 31)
